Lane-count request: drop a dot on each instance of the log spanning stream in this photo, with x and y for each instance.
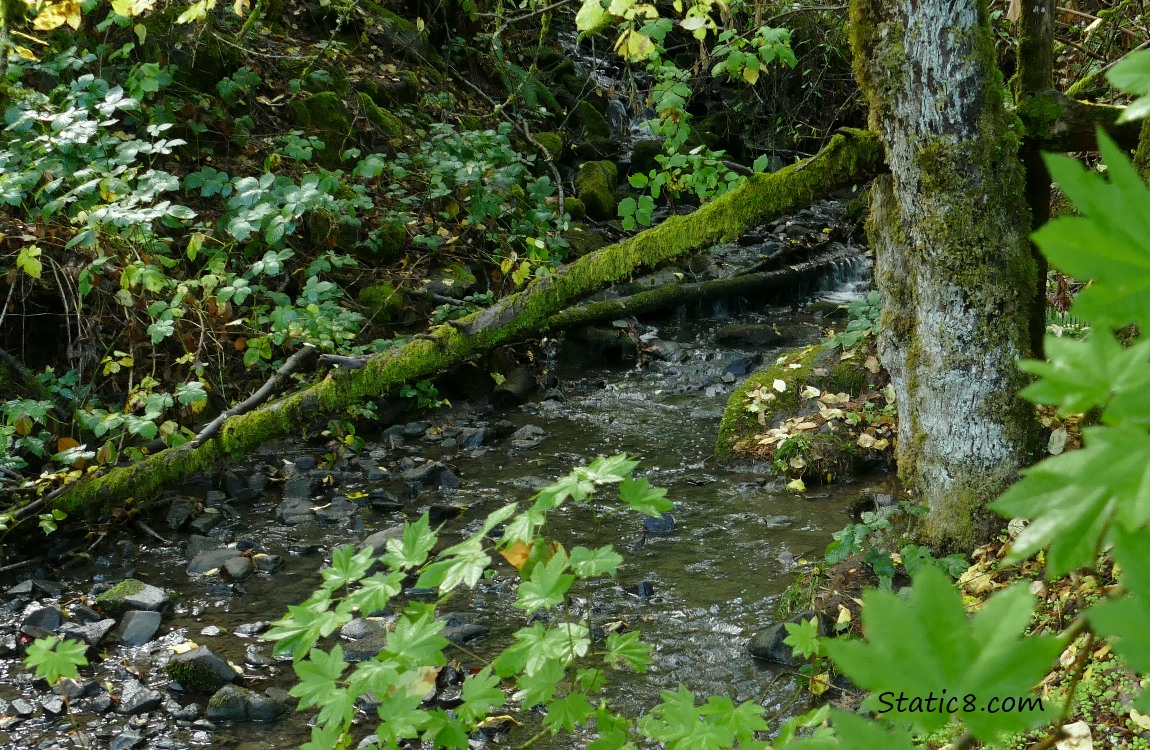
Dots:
(696, 593)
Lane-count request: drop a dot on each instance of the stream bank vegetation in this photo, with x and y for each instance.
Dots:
(166, 239)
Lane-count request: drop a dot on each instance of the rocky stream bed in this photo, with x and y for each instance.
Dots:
(173, 624)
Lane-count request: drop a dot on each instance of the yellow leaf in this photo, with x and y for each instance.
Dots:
(797, 486)
(844, 618)
(181, 648)
(25, 53)
(56, 15)
(809, 392)
(779, 385)
(516, 554)
(872, 364)
(240, 7)
(865, 441)
(751, 75)
(141, 32)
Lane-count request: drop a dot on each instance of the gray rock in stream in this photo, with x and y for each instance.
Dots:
(378, 541)
(234, 703)
(138, 627)
(211, 559)
(138, 698)
(200, 669)
(528, 437)
(768, 643)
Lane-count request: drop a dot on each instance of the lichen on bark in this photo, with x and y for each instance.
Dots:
(952, 261)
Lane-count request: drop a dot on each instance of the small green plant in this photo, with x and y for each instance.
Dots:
(425, 395)
(864, 315)
(55, 659)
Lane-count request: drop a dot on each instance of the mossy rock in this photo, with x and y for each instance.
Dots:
(549, 58)
(846, 377)
(385, 244)
(553, 142)
(595, 186)
(382, 120)
(325, 230)
(575, 208)
(112, 600)
(591, 122)
(712, 131)
(383, 303)
(325, 115)
(643, 156)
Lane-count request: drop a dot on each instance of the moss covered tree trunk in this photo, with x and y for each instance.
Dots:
(953, 264)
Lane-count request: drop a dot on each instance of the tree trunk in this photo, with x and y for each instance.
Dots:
(952, 260)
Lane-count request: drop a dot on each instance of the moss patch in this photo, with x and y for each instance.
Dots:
(112, 600)
(595, 186)
(812, 415)
(382, 302)
(553, 142)
(325, 115)
(575, 207)
(591, 122)
(382, 120)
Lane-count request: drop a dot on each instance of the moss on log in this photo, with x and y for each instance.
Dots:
(850, 157)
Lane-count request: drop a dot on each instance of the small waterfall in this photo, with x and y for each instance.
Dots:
(627, 116)
(849, 280)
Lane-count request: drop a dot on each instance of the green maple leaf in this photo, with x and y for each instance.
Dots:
(1099, 371)
(468, 563)
(375, 592)
(568, 712)
(587, 563)
(1132, 75)
(1109, 242)
(347, 566)
(416, 641)
(317, 676)
(626, 648)
(641, 496)
(608, 469)
(481, 693)
(54, 659)
(986, 656)
(1072, 499)
(411, 551)
(548, 584)
(540, 684)
(444, 731)
(305, 624)
(740, 721)
(803, 637)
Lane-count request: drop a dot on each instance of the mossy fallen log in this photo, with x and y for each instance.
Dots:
(851, 156)
(670, 295)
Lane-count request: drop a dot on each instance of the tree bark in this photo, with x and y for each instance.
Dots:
(952, 258)
(850, 157)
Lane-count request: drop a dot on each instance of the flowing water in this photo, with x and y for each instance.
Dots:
(739, 537)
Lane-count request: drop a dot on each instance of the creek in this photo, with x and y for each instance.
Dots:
(696, 594)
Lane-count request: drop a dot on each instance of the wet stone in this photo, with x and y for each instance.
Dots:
(449, 481)
(211, 559)
(424, 475)
(138, 698)
(254, 657)
(663, 524)
(258, 482)
(239, 568)
(211, 631)
(768, 643)
(97, 704)
(91, 633)
(297, 488)
(305, 463)
(179, 512)
(126, 740)
(23, 708)
(778, 522)
(188, 713)
(138, 627)
(294, 510)
(249, 629)
(415, 429)
(384, 501)
(46, 618)
(206, 521)
(201, 670)
(361, 628)
(378, 541)
(528, 437)
(338, 511)
(81, 613)
(53, 705)
(267, 563)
